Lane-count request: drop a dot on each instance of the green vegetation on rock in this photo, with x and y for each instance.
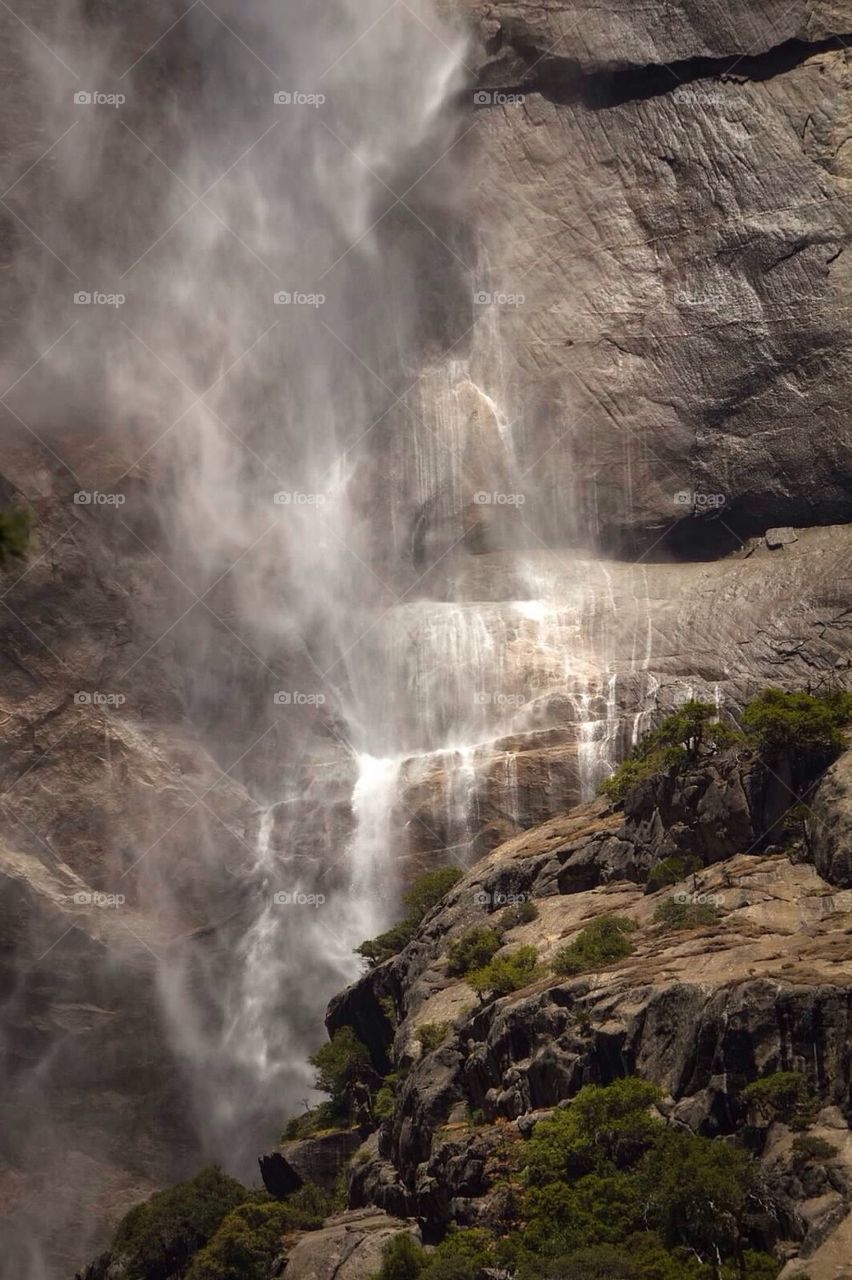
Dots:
(675, 913)
(775, 720)
(607, 1191)
(248, 1240)
(338, 1064)
(432, 1035)
(473, 949)
(600, 943)
(683, 738)
(426, 892)
(157, 1239)
(506, 973)
(783, 1095)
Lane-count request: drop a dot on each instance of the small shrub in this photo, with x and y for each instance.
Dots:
(426, 892)
(319, 1119)
(784, 1096)
(507, 973)
(808, 1147)
(14, 533)
(432, 1035)
(601, 942)
(672, 871)
(384, 1102)
(473, 949)
(523, 913)
(402, 1259)
(673, 913)
(339, 1063)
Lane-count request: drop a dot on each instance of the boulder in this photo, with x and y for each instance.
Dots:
(829, 824)
(348, 1247)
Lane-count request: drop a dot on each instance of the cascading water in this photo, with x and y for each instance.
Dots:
(325, 492)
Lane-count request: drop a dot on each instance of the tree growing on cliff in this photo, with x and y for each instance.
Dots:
(683, 738)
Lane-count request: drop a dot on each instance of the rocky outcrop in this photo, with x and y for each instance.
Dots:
(348, 1247)
(830, 824)
(319, 1161)
(765, 986)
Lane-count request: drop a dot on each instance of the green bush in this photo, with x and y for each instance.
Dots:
(783, 1095)
(778, 720)
(14, 533)
(249, 1239)
(473, 949)
(157, 1239)
(426, 892)
(523, 913)
(432, 1035)
(685, 736)
(600, 943)
(808, 1147)
(675, 914)
(600, 1126)
(320, 1119)
(506, 973)
(339, 1063)
(402, 1259)
(672, 871)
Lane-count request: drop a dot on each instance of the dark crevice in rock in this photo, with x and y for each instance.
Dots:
(563, 80)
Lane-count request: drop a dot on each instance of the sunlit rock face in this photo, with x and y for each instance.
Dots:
(604, 321)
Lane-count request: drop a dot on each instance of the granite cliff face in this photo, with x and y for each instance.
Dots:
(633, 314)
